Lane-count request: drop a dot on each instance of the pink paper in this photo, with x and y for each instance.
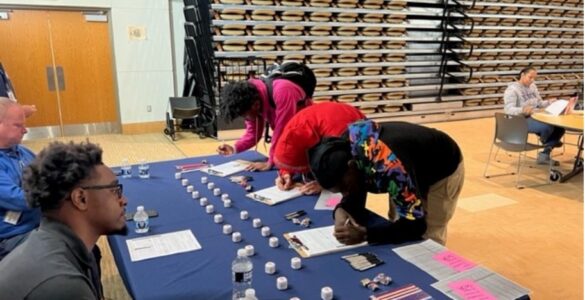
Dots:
(470, 290)
(332, 202)
(453, 261)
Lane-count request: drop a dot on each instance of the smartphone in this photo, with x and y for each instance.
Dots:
(150, 212)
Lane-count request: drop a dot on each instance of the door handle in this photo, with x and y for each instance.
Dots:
(60, 78)
(51, 78)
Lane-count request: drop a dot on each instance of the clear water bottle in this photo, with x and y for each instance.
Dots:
(143, 170)
(241, 275)
(126, 169)
(141, 220)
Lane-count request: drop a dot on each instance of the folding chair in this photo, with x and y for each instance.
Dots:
(512, 136)
(182, 109)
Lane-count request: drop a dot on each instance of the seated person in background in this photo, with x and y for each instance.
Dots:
(80, 199)
(420, 168)
(303, 132)
(17, 218)
(249, 99)
(522, 97)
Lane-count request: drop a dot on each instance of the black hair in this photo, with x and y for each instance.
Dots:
(526, 70)
(329, 161)
(237, 97)
(57, 170)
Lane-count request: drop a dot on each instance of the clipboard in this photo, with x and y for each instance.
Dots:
(273, 195)
(226, 169)
(317, 241)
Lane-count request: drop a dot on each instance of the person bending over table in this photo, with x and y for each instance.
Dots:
(80, 200)
(303, 132)
(249, 99)
(420, 168)
(522, 98)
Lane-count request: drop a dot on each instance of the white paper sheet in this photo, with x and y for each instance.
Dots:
(556, 108)
(273, 195)
(319, 241)
(162, 245)
(227, 169)
(421, 255)
(327, 199)
(492, 283)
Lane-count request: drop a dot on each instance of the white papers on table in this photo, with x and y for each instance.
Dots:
(424, 255)
(227, 169)
(274, 195)
(327, 200)
(556, 108)
(162, 245)
(319, 241)
(479, 283)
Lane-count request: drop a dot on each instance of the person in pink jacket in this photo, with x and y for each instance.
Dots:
(249, 99)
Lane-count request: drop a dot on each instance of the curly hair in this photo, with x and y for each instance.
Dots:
(57, 170)
(237, 97)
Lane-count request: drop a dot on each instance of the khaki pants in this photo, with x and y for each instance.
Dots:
(440, 204)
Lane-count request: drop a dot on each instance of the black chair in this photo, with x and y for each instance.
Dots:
(184, 111)
(512, 136)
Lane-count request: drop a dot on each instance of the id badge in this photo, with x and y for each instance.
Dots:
(12, 217)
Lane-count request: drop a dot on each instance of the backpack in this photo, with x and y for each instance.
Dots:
(295, 72)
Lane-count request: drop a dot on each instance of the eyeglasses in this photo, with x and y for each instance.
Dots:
(117, 188)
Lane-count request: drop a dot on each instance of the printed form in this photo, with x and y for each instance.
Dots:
(162, 245)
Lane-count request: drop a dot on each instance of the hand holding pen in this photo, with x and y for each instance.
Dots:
(347, 230)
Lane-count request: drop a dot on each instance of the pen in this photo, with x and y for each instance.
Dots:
(346, 222)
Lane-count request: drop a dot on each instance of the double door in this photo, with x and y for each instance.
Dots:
(61, 61)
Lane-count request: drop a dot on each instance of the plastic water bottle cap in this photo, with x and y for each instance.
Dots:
(242, 252)
(140, 208)
(250, 293)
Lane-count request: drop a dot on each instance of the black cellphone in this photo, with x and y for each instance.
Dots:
(150, 212)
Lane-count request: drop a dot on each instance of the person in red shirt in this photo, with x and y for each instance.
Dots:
(304, 131)
(249, 99)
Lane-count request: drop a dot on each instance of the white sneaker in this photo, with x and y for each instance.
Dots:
(544, 159)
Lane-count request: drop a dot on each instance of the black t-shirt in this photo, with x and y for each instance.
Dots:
(428, 155)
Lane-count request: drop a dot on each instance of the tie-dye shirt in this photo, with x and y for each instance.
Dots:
(383, 169)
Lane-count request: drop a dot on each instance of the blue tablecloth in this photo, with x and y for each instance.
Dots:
(206, 273)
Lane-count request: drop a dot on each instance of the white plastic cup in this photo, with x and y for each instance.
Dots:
(273, 242)
(227, 203)
(295, 263)
(190, 189)
(204, 179)
(326, 293)
(270, 268)
(236, 237)
(178, 175)
(195, 194)
(256, 223)
(210, 186)
(227, 229)
(184, 182)
(281, 283)
(218, 218)
(209, 209)
(265, 231)
(216, 191)
(225, 196)
(249, 250)
(244, 215)
(203, 201)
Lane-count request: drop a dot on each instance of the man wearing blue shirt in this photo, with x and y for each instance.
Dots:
(17, 219)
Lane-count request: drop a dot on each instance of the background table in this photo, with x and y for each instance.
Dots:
(572, 122)
(206, 273)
